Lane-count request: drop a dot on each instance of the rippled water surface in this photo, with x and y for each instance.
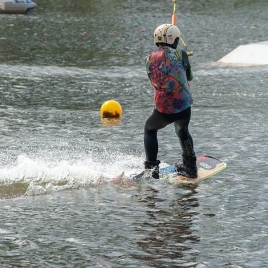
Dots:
(59, 208)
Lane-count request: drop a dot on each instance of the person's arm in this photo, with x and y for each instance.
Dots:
(187, 65)
(147, 66)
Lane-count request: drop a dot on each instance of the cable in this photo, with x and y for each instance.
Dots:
(173, 21)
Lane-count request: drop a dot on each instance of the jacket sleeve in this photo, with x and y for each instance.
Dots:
(147, 66)
(187, 65)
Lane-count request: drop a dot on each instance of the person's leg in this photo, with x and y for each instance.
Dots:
(188, 165)
(158, 121)
(182, 131)
(155, 122)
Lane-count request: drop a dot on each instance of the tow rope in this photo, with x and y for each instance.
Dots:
(173, 21)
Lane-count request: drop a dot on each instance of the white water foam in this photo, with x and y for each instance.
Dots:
(45, 176)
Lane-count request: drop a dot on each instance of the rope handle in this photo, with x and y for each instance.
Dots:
(173, 21)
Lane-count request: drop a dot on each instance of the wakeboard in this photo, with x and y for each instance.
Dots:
(207, 167)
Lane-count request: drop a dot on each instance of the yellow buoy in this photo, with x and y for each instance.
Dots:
(111, 109)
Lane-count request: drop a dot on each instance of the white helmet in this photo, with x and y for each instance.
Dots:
(167, 34)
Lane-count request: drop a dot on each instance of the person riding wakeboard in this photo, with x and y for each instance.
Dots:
(169, 71)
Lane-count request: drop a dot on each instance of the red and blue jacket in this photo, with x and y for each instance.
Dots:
(169, 71)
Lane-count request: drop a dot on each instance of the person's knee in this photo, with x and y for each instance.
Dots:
(182, 131)
(150, 132)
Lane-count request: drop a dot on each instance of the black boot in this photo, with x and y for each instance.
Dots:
(151, 170)
(154, 167)
(187, 167)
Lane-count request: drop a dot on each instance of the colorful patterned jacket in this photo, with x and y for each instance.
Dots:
(169, 71)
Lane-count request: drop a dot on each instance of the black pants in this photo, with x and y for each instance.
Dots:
(158, 121)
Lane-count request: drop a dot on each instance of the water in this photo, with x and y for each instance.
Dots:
(58, 206)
